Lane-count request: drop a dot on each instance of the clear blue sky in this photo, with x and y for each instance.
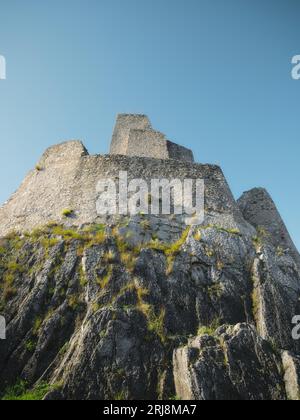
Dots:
(214, 75)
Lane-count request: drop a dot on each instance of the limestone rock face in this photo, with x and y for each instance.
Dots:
(97, 317)
(259, 210)
(291, 365)
(233, 364)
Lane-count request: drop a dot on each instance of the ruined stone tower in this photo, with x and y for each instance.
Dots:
(133, 136)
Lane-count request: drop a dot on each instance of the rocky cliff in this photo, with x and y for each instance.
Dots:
(144, 307)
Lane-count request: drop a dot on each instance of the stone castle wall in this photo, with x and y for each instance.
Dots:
(67, 177)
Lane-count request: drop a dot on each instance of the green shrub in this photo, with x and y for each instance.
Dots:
(120, 396)
(198, 235)
(68, 213)
(205, 331)
(2, 251)
(82, 277)
(74, 302)
(49, 242)
(145, 224)
(30, 346)
(104, 281)
(13, 267)
(210, 329)
(155, 322)
(37, 326)
(109, 257)
(174, 398)
(20, 392)
(67, 234)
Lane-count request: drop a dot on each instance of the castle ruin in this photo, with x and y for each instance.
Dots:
(66, 177)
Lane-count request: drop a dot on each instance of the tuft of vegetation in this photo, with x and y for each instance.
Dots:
(120, 396)
(174, 398)
(128, 254)
(209, 252)
(30, 346)
(95, 228)
(2, 251)
(198, 236)
(48, 243)
(14, 268)
(102, 334)
(205, 331)
(74, 302)
(175, 248)
(96, 307)
(64, 349)
(155, 322)
(280, 251)
(82, 277)
(210, 329)
(67, 234)
(145, 224)
(21, 392)
(259, 239)
(230, 231)
(129, 261)
(220, 265)
(215, 291)
(38, 168)
(68, 213)
(104, 281)
(37, 326)
(109, 257)
(170, 265)
(9, 293)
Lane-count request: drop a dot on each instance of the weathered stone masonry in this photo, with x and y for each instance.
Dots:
(134, 136)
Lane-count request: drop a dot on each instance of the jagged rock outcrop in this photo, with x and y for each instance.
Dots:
(98, 318)
(234, 364)
(144, 307)
(260, 211)
(291, 366)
